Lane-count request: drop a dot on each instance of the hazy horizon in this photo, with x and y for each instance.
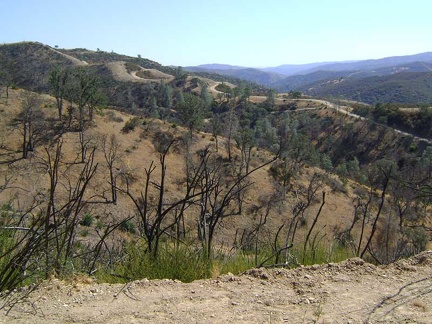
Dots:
(243, 33)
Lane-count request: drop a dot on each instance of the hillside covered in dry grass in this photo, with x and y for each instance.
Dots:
(191, 178)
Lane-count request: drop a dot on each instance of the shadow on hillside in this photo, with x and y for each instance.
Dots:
(9, 156)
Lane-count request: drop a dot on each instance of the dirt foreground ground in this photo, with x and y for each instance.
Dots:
(349, 292)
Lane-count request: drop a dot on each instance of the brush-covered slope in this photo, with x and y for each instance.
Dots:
(248, 74)
(28, 64)
(405, 88)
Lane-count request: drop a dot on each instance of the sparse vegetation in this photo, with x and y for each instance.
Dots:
(131, 124)
(87, 220)
(270, 188)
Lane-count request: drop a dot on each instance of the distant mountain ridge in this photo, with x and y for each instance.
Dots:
(295, 69)
(373, 64)
(398, 78)
(216, 66)
(404, 88)
(248, 74)
(291, 69)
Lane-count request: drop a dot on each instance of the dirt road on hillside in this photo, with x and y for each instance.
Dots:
(74, 60)
(349, 292)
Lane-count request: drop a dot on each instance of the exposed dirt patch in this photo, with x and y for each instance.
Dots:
(348, 292)
(120, 73)
(74, 60)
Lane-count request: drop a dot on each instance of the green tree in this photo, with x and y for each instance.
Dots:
(84, 89)
(245, 141)
(266, 134)
(205, 95)
(270, 100)
(167, 96)
(179, 73)
(326, 163)
(154, 109)
(295, 94)
(246, 93)
(231, 124)
(192, 112)
(179, 98)
(217, 127)
(7, 81)
(96, 102)
(353, 167)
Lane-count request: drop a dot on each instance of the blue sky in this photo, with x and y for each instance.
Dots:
(239, 32)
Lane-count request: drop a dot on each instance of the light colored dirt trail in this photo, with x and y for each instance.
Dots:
(120, 73)
(69, 57)
(349, 292)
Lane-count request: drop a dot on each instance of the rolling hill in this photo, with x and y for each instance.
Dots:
(248, 74)
(120, 197)
(404, 87)
(127, 82)
(370, 81)
(371, 65)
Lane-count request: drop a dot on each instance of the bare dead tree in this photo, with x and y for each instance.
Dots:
(313, 226)
(111, 150)
(363, 209)
(386, 171)
(58, 81)
(86, 141)
(216, 124)
(303, 198)
(18, 251)
(251, 239)
(83, 89)
(245, 142)
(219, 194)
(232, 126)
(62, 215)
(29, 119)
(361, 212)
(96, 252)
(154, 218)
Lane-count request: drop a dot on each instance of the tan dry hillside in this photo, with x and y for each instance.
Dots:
(138, 152)
(352, 291)
(120, 73)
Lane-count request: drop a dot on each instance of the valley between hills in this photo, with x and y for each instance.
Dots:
(202, 196)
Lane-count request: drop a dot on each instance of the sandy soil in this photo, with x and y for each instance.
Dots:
(349, 292)
(120, 73)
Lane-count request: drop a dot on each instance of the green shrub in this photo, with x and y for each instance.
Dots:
(236, 263)
(222, 87)
(87, 220)
(84, 233)
(323, 253)
(132, 67)
(7, 242)
(111, 116)
(145, 74)
(128, 227)
(130, 125)
(99, 224)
